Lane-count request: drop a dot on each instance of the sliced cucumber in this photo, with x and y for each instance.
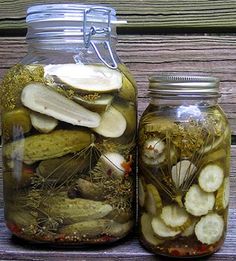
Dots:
(91, 78)
(175, 217)
(222, 196)
(198, 202)
(147, 231)
(112, 125)
(162, 230)
(210, 228)
(153, 202)
(211, 178)
(182, 171)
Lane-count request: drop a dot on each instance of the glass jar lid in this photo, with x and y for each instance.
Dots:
(168, 85)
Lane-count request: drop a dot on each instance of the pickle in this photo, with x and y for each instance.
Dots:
(222, 196)
(127, 91)
(112, 125)
(74, 210)
(119, 230)
(13, 120)
(211, 178)
(120, 215)
(42, 99)
(189, 231)
(199, 202)
(90, 78)
(127, 109)
(214, 156)
(98, 103)
(147, 231)
(162, 230)
(210, 228)
(89, 190)
(141, 192)
(57, 169)
(46, 146)
(127, 74)
(43, 123)
(87, 229)
(153, 202)
(175, 217)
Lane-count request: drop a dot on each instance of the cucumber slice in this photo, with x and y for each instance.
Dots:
(141, 192)
(43, 123)
(39, 98)
(182, 171)
(112, 125)
(211, 178)
(147, 231)
(210, 228)
(222, 196)
(91, 78)
(153, 202)
(189, 231)
(198, 202)
(175, 217)
(162, 230)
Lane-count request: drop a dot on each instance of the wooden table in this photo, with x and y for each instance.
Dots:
(183, 36)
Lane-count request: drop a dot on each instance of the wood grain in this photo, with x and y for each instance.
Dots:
(152, 54)
(153, 14)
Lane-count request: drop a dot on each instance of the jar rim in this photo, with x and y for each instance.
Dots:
(174, 85)
(67, 12)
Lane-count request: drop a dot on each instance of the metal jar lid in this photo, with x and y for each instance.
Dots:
(183, 86)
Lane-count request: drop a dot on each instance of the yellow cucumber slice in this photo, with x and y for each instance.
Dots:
(147, 231)
(162, 230)
(175, 216)
(189, 231)
(198, 202)
(153, 202)
(210, 228)
(211, 178)
(222, 196)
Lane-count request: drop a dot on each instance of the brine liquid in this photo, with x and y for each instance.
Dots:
(184, 154)
(65, 183)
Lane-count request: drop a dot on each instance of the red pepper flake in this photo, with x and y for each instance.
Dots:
(175, 252)
(106, 238)
(14, 228)
(127, 166)
(109, 172)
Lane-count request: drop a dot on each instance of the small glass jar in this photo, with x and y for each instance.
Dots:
(184, 163)
(69, 127)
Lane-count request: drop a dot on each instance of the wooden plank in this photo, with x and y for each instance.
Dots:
(147, 55)
(156, 14)
(128, 249)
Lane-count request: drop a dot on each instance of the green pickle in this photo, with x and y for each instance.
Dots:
(183, 178)
(68, 177)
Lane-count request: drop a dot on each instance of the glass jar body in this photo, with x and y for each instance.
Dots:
(69, 126)
(184, 157)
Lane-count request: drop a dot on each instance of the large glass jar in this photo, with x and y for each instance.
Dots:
(184, 158)
(69, 126)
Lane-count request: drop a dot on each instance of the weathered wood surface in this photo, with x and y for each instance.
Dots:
(156, 14)
(146, 55)
(128, 249)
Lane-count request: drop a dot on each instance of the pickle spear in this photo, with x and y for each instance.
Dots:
(47, 146)
(42, 99)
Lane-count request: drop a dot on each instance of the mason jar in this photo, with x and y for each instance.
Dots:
(184, 162)
(69, 125)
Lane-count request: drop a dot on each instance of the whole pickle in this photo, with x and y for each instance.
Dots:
(47, 146)
(74, 210)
